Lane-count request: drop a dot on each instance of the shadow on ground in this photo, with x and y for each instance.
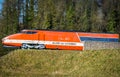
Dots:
(5, 51)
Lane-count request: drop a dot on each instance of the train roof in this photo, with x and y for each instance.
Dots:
(66, 31)
(75, 31)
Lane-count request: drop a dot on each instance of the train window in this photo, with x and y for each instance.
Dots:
(29, 32)
(99, 39)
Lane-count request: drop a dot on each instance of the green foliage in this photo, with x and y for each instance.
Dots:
(111, 23)
(69, 18)
(10, 17)
(86, 15)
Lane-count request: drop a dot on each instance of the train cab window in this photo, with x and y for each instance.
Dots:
(29, 32)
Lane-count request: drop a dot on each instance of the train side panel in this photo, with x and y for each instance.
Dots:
(62, 40)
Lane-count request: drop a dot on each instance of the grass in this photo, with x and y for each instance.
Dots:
(60, 63)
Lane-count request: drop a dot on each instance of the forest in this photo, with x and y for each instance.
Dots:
(80, 15)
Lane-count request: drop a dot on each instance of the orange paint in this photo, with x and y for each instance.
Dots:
(55, 39)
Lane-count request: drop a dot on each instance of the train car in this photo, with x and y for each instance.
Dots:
(42, 39)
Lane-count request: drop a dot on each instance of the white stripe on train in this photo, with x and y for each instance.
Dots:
(44, 42)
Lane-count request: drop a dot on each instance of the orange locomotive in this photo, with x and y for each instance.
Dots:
(55, 39)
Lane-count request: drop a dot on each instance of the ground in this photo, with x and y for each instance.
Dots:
(60, 63)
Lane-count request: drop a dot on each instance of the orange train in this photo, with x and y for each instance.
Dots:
(42, 39)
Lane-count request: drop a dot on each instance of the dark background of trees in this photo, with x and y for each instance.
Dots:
(81, 15)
